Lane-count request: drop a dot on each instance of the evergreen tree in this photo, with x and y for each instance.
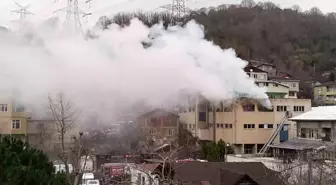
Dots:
(213, 151)
(20, 164)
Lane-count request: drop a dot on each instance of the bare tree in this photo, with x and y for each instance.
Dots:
(247, 3)
(297, 172)
(80, 150)
(64, 117)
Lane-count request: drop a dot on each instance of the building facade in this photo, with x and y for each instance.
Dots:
(159, 125)
(13, 118)
(246, 124)
(44, 134)
(325, 94)
(318, 124)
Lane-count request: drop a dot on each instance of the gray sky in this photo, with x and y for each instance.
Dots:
(43, 9)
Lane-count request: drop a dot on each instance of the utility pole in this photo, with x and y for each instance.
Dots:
(214, 122)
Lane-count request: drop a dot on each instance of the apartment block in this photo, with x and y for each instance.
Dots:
(325, 94)
(13, 119)
(245, 123)
(159, 125)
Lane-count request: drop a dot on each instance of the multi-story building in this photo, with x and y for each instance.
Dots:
(13, 119)
(45, 135)
(246, 124)
(325, 94)
(159, 125)
(277, 86)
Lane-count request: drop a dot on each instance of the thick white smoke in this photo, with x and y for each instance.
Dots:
(116, 69)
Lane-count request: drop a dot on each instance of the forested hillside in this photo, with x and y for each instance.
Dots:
(293, 40)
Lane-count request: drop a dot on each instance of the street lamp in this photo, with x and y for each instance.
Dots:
(225, 151)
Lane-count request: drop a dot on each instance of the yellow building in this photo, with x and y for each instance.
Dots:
(325, 94)
(245, 124)
(13, 119)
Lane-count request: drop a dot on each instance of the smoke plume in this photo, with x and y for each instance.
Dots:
(115, 69)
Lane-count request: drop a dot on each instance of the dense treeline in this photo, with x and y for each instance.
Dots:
(293, 40)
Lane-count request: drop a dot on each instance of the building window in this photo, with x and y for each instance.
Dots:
(263, 77)
(247, 126)
(217, 125)
(202, 116)
(275, 85)
(16, 124)
(152, 131)
(281, 108)
(227, 125)
(222, 125)
(264, 109)
(298, 108)
(291, 93)
(248, 108)
(170, 131)
(3, 107)
(228, 109)
(265, 126)
(255, 76)
(313, 133)
(19, 109)
(266, 84)
(154, 120)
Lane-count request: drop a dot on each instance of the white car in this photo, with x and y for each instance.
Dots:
(93, 182)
